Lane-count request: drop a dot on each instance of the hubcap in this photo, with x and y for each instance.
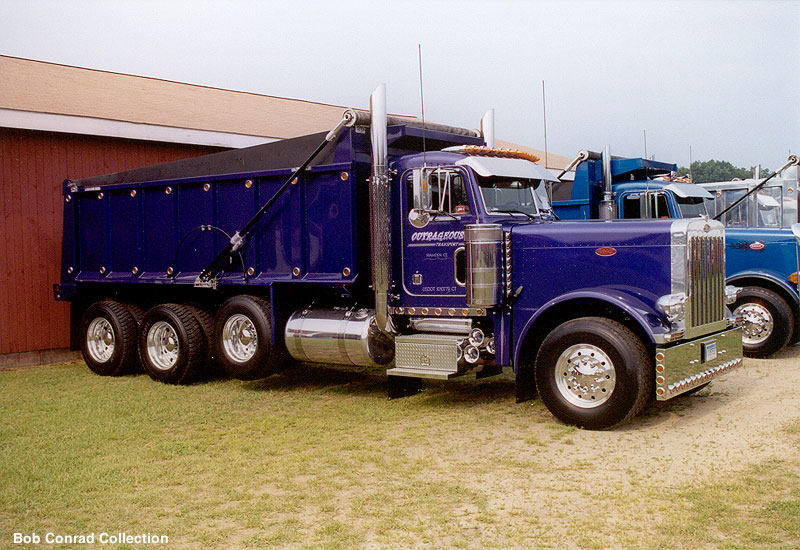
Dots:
(758, 323)
(162, 345)
(585, 376)
(100, 340)
(239, 338)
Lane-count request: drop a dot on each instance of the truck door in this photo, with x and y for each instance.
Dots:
(433, 262)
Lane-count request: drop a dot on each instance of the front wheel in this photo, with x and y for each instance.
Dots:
(594, 373)
(768, 321)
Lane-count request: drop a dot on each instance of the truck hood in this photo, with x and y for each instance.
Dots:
(555, 258)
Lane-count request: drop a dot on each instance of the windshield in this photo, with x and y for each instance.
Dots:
(692, 207)
(513, 195)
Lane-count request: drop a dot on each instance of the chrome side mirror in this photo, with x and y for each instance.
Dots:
(419, 215)
(796, 231)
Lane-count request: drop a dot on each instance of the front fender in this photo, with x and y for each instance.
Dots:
(642, 312)
(767, 277)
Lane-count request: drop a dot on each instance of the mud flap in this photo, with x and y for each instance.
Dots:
(526, 385)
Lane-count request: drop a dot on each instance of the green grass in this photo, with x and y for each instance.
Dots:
(319, 458)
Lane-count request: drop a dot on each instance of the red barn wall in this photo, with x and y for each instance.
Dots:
(33, 166)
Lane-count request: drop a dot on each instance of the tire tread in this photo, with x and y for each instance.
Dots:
(121, 316)
(188, 368)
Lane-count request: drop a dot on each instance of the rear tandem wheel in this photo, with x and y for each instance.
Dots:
(108, 338)
(171, 343)
(243, 339)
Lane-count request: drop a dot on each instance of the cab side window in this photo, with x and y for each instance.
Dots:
(632, 206)
(769, 203)
(737, 217)
(656, 206)
(444, 189)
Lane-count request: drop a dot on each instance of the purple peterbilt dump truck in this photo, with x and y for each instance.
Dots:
(386, 243)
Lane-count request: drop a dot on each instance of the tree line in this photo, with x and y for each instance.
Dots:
(718, 170)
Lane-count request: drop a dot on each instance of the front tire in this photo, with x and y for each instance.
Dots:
(243, 339)
(768, 321)
(171, 344)
(108, 338)
(594, 373)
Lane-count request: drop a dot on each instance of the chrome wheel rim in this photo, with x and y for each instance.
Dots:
(163, 348)
(585, 376)
(758, 323)
(239, 338)
(100, 340)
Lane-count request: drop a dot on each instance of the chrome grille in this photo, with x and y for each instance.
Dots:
(706, 280)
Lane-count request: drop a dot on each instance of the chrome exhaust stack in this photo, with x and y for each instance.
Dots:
(484, 264)
(608, 208)
(380, 232)
(487, 128)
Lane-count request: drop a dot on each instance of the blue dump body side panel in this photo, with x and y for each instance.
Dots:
(166, 223)
(580, 202)
(130, 232)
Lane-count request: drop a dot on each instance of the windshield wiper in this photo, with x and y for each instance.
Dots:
(512, 211)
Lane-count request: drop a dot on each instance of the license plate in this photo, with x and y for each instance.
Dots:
(709, 351)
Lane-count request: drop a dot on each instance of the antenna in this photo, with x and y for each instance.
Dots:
(691, 176)
(544, 118)
(422, 105)
(645, 142)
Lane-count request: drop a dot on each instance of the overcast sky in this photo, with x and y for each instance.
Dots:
(721, 77)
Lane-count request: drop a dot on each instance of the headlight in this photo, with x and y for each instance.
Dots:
(673, 306)
(731, 293)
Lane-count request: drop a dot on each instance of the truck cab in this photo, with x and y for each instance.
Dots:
(642, 188)
(775, 205)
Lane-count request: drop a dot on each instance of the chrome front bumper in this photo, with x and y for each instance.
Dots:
(683, 367)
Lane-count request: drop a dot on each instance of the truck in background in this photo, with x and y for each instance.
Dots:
(765, 203)
(761, 254)
(391, 241)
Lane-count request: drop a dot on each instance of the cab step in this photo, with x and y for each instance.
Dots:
(432, 356)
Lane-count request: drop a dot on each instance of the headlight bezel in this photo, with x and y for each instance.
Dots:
(673, 307)
(731, 294)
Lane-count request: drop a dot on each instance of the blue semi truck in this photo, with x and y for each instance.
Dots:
(390, 241)
(761, 253)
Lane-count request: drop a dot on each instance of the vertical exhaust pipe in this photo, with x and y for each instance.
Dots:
(487, 128)
(608, 208)
(380, 233)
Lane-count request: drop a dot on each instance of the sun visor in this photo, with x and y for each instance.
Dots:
(688, 190)
(767, 202)
(507, 168)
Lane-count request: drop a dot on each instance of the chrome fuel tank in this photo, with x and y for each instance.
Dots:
(338, 336)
